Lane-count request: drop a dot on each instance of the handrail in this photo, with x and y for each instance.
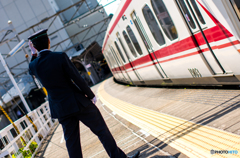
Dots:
(11, 141)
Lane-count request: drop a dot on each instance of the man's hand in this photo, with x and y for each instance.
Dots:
(94, 100)
(33, 50)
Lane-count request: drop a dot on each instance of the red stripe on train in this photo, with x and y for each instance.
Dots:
(145, 59)
(124, 8)
(217, 33)
(105, 42)
(213, 34)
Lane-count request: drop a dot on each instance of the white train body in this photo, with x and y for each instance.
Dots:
(175, 42)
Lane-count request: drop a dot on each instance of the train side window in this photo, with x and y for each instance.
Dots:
(134, 40)
(120, 52)
(153, 26)
(112, 63)
(115, 57)
(129, 44)
(112, 59)
(164, 19)
(196, 9)
(187, 15)
(124, 49)
(236, 7)
(109, 62)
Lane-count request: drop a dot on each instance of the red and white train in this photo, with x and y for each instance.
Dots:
(175, 42)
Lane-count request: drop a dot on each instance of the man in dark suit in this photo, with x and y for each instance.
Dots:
(70, 99)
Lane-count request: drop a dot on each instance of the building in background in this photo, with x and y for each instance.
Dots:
(89, 24)
(23, 14)
(73, 25)
(88, 18)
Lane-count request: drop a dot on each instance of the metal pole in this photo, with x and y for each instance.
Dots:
(14, 83)
(27, 57)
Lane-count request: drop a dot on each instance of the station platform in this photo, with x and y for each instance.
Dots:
(160, 122)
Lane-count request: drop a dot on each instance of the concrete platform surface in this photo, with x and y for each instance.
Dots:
(129, 138)
(197, 122)
(212, 107)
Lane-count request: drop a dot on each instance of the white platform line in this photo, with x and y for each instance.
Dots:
(144, 133)
(134, 133)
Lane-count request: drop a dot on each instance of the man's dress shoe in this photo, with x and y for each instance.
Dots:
(136, 155)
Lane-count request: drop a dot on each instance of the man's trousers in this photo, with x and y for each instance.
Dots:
(92, 118)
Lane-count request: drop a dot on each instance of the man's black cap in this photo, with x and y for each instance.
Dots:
(38, 34)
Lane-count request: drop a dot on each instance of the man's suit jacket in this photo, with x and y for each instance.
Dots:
(68, 93)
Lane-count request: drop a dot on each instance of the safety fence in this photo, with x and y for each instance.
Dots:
(26, 144)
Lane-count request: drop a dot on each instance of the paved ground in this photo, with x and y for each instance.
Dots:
(169, 115)
(128, 137)
(217, 108)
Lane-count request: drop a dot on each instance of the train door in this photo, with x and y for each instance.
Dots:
(115, 66)
(122, 61)
(148, 44)
(128, 57)
(118, 67)
(118, 63)
(197, 24)
(113, 70)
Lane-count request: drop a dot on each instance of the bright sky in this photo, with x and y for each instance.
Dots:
(111, 8)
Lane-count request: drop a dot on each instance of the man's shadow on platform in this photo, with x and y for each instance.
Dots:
(147, 152)
(199, 123)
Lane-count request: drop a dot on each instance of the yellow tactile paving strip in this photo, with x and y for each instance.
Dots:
(192, 139)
